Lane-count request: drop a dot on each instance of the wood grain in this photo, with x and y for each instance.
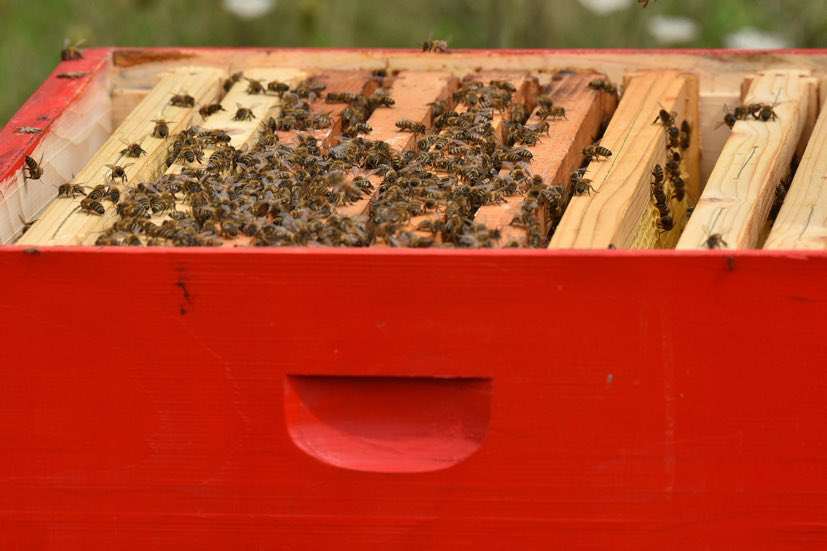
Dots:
(559, 153)
(739, 194)
(619, 212)
(63, 223)
(802, 221)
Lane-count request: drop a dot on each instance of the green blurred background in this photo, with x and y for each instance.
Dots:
(32, 31)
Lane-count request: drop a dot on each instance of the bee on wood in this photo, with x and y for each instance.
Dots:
(210, 109)
(132, 150)
(72, 75)
(657, 173)
(686, 135)
(545, 101)
(161, 130)
(354, 130)
(680, 188)
(406, 125)
(503, 85)
(243, 114)
(730, 119)
(379, 99)
(519, 155)
(278, 87)
(70, 190)
(715, 241)
(766, 113)
(32, 170)
(119, 172)
(255, 87)
(98, 192)
(673, 137)
(113, 194)
(342, 97)
(230, 82)
(29, 130)
(91, 206)
(71, 50)
(435, 46)
(665, 118)
(602, 85)
(182, 100)
(554, 113)
(581, 185)
(666, 222)
(596, 152)
(192, 154)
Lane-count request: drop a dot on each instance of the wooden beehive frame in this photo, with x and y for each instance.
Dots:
(118, 80)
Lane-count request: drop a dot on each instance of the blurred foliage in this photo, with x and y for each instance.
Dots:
(32, 32)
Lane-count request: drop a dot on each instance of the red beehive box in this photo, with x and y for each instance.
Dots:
(322, 398)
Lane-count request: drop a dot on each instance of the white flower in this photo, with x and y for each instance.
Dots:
(248, 9)
(750, 38)
(602, 7)
(673, 29)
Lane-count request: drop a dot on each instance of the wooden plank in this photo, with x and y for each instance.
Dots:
(413, 93)
(63, 223)
(802, 221)
(61, 126)
(619, 212)
(555, 155)
(740, 192)
(337, 82)
(123, 103)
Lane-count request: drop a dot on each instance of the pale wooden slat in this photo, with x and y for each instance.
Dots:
(559, 153)
(802, 221)
(620, 213)
(740, 192)
(412, 92)
(63, 223)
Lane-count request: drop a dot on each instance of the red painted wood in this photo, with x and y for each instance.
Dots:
(45, 106)
(638, 400)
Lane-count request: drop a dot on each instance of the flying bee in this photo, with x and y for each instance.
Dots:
(91, 206)
(406, 125)
(161, 130)
(119, 172)
(435, 46)
(182, 100)
(71, 50)
(581, 185)
(32, 170)
(715, 241)
(70, 190)
(132, 150)
(243, 114)
(665, 118)
(210, 109)
(596, 152)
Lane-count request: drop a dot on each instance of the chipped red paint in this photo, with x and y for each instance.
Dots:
(45, 106)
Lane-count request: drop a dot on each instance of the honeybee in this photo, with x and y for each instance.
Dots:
(161, 130)
(98, 192)
(657, 173)
(715, 241)
(210, 109)
(182, 100)
(32, 170)
(132, 150)
(71, 50)
(243, 114)
(406, 125)
(435, 46)
(766, 113)
(581, 185)
(665, 118)
(686, 135)
(596, 152)
(278, 87)
(117, 171)
(602, 85)
(91, 206)
(554, 113)
(341, 97)
(70, 190)
(228, 83)
(503, 85)
(545, 101)
(254, 87)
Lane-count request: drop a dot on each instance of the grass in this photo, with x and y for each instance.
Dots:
(31, 33)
